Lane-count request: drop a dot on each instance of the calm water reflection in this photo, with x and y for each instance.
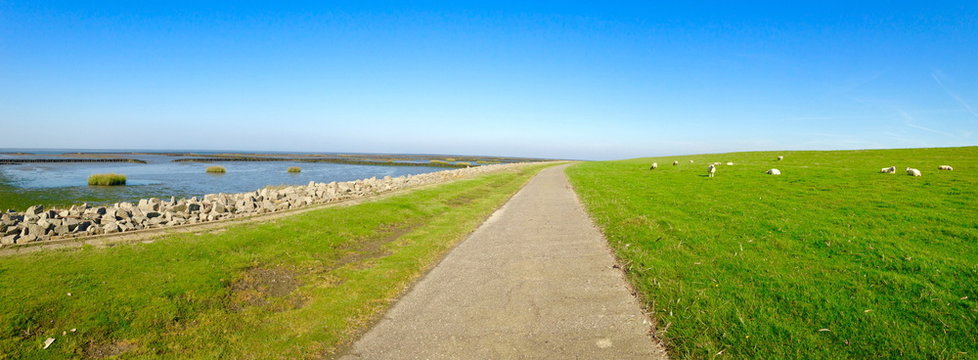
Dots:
(161, 177)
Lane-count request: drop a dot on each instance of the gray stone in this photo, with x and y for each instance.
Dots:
(9, 239)
(34, 210)
(110, 227)
(12, 230)
(44, 225)
(27, 238)
(82, 226)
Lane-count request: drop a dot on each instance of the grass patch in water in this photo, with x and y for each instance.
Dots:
(106, 180)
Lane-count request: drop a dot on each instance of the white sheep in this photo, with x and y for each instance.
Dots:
(945, 167)
(729, 163)
(913, 172)
(654, 165)
(691, 161)
(889, 170)
(674, 163)
(773, 172)
(712, 170)
(780, 157)
(716, 163)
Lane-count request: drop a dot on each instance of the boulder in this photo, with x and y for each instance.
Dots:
(82, 226)
(43, 225)
(268, 206)
(27, 238)
(11, 230)
(110, 227)
(9, 239)
(34, 210)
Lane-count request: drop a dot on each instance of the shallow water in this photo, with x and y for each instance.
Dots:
(160, 177)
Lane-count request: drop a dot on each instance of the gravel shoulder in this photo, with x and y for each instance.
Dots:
(536, 280)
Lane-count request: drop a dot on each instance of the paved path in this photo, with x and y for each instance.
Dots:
(535, 281)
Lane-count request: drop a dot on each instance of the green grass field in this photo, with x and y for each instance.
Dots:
(831, 260)
(293, 288)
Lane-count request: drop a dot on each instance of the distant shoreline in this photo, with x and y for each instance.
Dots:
(447, 161)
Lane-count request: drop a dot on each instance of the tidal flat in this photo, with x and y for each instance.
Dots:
(182, 174)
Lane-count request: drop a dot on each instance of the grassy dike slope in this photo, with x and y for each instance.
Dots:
(829, 260)
(296, 287)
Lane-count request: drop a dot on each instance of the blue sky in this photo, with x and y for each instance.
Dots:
(594, 80)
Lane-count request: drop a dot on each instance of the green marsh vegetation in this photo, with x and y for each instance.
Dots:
(216, 169)
(294, 169)
(106, 180)
(829, 260)
(295, 287)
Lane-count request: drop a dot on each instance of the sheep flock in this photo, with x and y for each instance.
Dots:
(711, 170)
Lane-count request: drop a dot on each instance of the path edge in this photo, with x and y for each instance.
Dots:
(646, 306)
(343, 349)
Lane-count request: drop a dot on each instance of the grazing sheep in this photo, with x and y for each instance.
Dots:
(945, 167)
(674, 163)
(716, 163)
(729, 163)
(654, 165)
(913, 172)
(889, 170)
(773, 172)
(691, 161)
(712, 170)
(780, 157)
